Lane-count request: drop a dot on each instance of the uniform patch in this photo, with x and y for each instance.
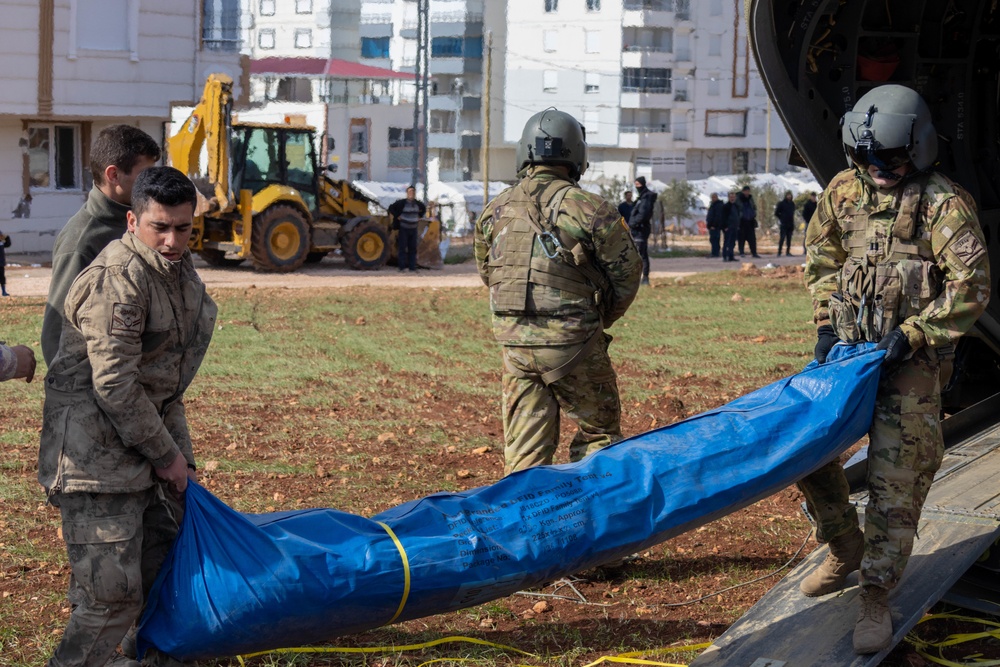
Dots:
(126, 320)
(968, 248)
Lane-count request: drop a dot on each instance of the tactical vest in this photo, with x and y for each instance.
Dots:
(890, 273)
(536, 268)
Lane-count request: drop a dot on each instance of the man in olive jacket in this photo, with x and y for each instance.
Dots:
(118, 156)
(115, 439)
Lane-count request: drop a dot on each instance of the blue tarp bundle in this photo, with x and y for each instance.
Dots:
(237, 583)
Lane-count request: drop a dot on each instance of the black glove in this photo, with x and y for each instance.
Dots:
(896, 346)
(826, 338)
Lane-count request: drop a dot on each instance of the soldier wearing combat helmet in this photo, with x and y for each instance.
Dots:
(895, 256)
(561, 268)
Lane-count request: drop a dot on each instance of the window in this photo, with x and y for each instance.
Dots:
(760, 123)
(359, 138)
(591, 119)
(715, 7)
(374, 47)
(446, 47)
(400, 137)
(550, 81)
(303, 38)
(550, 40)
(551, 5)
(52, 157)
(725, 123)
(593, 5)
(713, 84)
(265, 38)
(592, 82)
(267, 7)
(303, 7)
(715, 45)
(96, 25)
(646, 80)
(593, 39)
(220, 26)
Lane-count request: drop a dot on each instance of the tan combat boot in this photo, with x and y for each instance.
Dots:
(844, 558)
(873, 633)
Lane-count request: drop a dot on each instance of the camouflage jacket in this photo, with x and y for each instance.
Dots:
(99, 222)
(605, 238)
(933, 285)
(137, 328)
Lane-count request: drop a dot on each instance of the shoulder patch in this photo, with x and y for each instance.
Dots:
(968, 248)
(126, 320)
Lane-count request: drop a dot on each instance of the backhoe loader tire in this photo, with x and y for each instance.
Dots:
(217, 258)
(366, 246)
(280, 240)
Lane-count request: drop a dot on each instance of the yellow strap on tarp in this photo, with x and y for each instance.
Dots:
(406, 571)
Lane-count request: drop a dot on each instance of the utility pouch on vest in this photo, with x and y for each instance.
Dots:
(946, 362)
(886, 310)
(843, 318)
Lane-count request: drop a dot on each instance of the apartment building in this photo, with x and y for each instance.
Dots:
(388, 38)
(666, 88)
(73, 67)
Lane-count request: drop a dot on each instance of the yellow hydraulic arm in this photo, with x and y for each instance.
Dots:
(209, 126)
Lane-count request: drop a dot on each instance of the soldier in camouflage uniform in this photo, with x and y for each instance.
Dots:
(561, 268)
(896, 257)
(115, 442)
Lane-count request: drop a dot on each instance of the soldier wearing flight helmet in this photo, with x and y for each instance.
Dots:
(561, 268)
(895, 256)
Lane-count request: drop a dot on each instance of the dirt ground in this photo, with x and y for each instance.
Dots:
(673, 595)
(28, 275)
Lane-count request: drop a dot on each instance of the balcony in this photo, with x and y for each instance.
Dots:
(648, 98)
(454, 103)
(375, 29)
(647, 56)
(648, 13)
(456, 65)
(655, 137)
(453, 140)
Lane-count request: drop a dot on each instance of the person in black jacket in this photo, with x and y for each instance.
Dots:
(406, 214)
(808, 209)
(715, 223)
(4, 243)
(625, 208)
(748, 221)
(785, 212)
(639, 223)
(730, 227)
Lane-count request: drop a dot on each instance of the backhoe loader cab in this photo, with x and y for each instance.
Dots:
(265, 197)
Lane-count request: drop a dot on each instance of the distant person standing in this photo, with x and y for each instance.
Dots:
(730, 227)
(785, 212)
(625, 208)
(640, 223)
(4, 244)
(406, 214)
(715, 223)
(808, 209)
(748, 221)
(119, 154)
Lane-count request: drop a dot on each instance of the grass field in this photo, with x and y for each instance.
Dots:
(364, 398)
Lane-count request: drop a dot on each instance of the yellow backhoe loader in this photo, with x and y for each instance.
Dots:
(264, 199)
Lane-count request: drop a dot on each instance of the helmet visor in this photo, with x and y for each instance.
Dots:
(886, 159)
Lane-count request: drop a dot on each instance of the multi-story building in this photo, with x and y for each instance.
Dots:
(388, 34)
(73, 67)
(665, 88)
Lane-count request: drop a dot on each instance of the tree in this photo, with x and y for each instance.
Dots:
(676, 200)
(614, 191)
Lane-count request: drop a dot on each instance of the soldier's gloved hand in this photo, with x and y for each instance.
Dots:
(826, 338)
(896, 346)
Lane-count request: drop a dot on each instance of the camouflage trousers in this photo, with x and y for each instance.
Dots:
(905, 450)
(588, 395)
(116, 543)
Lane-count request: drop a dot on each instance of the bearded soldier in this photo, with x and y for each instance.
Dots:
(896, 257)
(561, 268)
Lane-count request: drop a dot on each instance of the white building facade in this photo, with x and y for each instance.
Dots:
(388, 38)
(666, 88)
(73, 67)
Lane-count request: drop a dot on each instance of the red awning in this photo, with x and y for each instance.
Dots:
(330, 67)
